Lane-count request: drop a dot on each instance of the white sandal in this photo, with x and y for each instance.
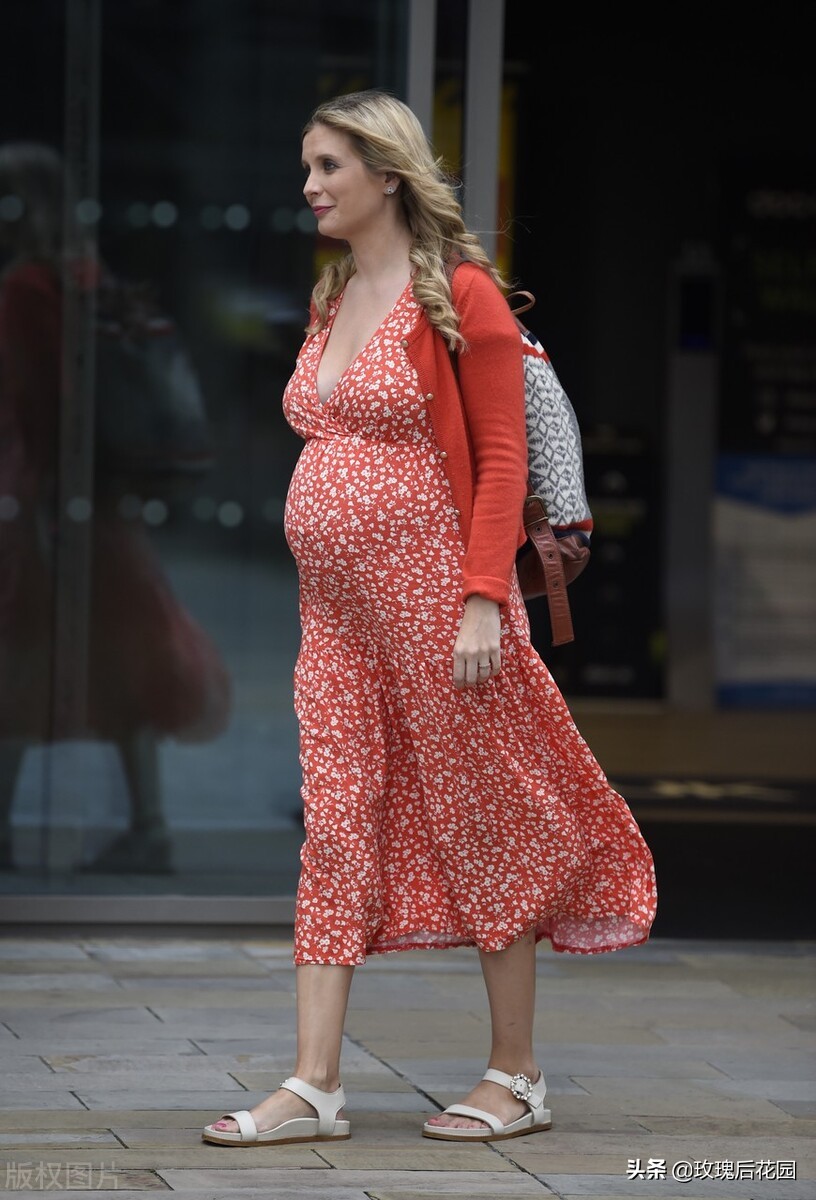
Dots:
(523, 1088)
(325, 1127)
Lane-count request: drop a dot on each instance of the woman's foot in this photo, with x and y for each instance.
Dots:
(281, 1106)
(490, 1097)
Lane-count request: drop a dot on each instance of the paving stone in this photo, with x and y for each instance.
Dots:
(73, 1173)
(382, 1080)
(641, 993)
(155, 949)
(220, 990)
(96, 1097)
(34, 950)
(28, 1047)
(68, 968)
(215, 968)
(717, 1124)
(53, 1139)
(274, 949)
(569, 1027)
(553, 1163)
(672, 1098)
(757, 1062)
(568, 1164)
(195, 1155)
(445, 1023)
(808, 1024)
(36, 1101)
(681, 1146)
(490, 1183)
(54, 1177)
(39, 1083)
(196, 1070)
(261, 996)
(251, 1045)
(797, 1108)
(209, 1019)
(388, 1194)
(800, 1090)
(633, 1062)
(769, 1031)
(114, 1195)
(23, 1063)
(614, 1186)
(78, 982)
(79, 1020)
(439, 1157)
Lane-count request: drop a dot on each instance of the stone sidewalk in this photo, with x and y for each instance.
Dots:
(115, 1050)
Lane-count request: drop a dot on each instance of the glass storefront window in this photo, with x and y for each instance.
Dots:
(156, 259)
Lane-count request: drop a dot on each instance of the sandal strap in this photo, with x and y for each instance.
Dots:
(518, 1084)
(478, 1114)
(326, 1104)
(246, 1124)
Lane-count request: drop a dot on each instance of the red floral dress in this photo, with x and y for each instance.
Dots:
(434, 817)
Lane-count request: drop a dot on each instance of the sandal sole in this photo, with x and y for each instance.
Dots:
(326, 1137)
(487, 1136)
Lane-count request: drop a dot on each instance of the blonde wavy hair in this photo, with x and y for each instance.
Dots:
(389, 138)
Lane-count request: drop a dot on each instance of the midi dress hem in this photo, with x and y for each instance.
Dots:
(441, 940)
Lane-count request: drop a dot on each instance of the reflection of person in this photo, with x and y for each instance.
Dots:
(152, 671)
(449, 799)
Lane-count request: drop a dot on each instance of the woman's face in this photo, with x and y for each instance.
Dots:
(345, 196)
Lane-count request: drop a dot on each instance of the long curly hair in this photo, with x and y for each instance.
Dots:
(389, 138)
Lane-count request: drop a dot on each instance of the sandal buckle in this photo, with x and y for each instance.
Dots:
(521, 1086)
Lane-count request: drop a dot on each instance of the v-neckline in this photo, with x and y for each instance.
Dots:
(359, 353)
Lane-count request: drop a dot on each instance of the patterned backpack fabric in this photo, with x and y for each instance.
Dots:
(554, 452)
(556, 513)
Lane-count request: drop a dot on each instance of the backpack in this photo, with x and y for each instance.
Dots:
(556, 514)
(151, 423)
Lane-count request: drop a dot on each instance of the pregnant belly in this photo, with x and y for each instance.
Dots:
(353, 504)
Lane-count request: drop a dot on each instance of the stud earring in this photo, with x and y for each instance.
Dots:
(389, 191)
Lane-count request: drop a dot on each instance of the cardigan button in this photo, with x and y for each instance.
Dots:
(443, 454)
(429, 395)
(404, 343)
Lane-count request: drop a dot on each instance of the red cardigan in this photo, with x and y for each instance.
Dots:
(480, 427)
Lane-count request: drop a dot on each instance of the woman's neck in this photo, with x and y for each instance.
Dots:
(382, 256)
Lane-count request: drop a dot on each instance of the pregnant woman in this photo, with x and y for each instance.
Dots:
(449, 798)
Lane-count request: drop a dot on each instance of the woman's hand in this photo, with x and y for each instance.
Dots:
(477, 652)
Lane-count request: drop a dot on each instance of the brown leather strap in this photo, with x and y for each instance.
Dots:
(545, 545)
(528, 302)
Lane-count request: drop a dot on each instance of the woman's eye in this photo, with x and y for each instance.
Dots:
(328, 165)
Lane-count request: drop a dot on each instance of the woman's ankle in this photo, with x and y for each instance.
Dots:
(323, 1080)
(515, 1064)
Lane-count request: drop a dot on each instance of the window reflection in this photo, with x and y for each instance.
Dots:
(176, 767)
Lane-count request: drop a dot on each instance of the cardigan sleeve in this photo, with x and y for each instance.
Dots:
(491, 382)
